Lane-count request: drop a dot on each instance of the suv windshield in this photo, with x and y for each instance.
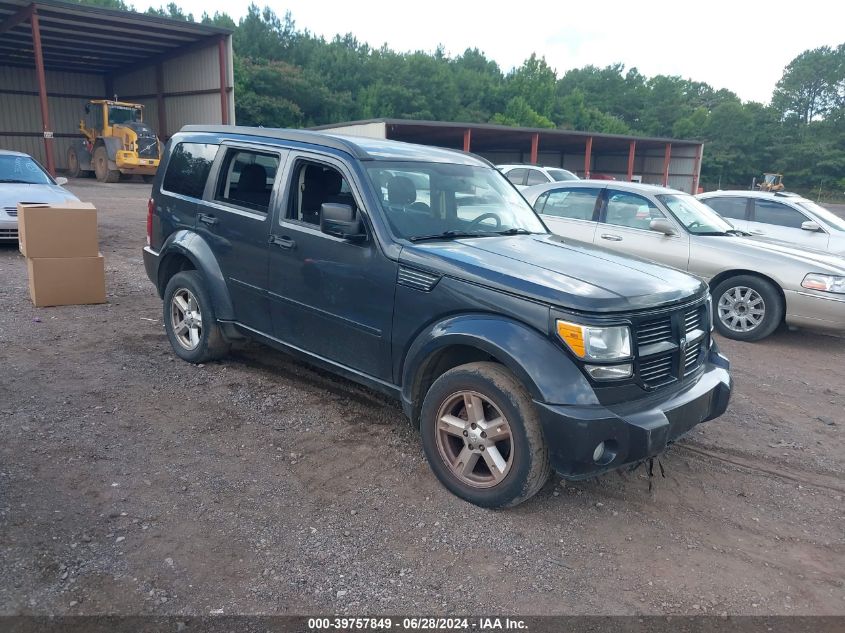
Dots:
(561, 175)
(423, 200)
(22, 169)
(697, 217)
(826, 216)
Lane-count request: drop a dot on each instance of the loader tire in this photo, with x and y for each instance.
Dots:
(101, 166)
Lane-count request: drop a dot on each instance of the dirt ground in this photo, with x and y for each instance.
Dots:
(134, 483)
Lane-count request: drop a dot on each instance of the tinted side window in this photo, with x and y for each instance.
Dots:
(769, 212)
(536, 177)
(631, 210)
(188, 168)
(731, 208)
(246, 179)
(576, 204)
(517, 176)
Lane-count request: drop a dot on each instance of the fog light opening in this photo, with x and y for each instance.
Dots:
(604, 452)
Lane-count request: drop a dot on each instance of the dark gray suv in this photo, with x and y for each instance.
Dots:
(422, 273)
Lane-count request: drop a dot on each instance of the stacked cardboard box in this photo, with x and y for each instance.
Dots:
(62, 254)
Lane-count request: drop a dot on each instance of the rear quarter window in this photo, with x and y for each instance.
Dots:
(188, 168)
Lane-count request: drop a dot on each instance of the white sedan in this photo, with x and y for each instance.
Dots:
(22, 179)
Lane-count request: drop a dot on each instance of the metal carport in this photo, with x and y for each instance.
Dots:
(55, 56)
(670, 162)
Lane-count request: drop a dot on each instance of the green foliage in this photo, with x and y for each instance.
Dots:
(172, 11)
(286, 76)
(519, 113)
(108, 4)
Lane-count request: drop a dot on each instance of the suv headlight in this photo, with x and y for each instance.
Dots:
(591, 342)
(825, 283)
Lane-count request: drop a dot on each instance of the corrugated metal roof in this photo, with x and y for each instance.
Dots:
(89, 39)
(410, 129)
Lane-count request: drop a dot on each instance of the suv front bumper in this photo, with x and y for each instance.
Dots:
(635, 430)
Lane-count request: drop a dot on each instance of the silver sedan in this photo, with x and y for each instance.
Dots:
(756, 284)
(22, 179)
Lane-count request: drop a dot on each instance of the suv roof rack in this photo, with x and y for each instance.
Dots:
(282, 134)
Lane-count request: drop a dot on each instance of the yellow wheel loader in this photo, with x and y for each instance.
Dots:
(116, 142)
(771, 182)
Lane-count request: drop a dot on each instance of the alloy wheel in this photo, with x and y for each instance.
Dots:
(186, 318)
(474, 439)
(741, 309)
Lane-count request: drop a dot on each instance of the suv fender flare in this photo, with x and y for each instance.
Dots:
(191, 246)
(544, 368)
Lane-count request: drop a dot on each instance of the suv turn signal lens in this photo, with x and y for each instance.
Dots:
(573, 336)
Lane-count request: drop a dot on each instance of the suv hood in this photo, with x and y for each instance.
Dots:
(555, 271)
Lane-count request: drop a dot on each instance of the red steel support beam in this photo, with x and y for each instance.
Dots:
(666, 158)
(162, 113)
(535, 147)
(696, 170)
(588, 157)
(42, 93)
(632, 150)
(467, 139)
(224, 66)
(21, 15)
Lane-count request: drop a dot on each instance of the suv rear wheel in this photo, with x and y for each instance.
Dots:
(482, 436)
(747, 308)
(190, 321)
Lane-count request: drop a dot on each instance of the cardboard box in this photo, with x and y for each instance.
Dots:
(61, 281)
(62, 230)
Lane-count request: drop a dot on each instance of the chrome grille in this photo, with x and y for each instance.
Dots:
(11, 211)
(655, 331)
(8, 234)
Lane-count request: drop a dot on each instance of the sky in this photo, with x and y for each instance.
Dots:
(740, 45)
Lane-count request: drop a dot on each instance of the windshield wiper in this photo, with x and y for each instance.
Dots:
(738, 232)
(515, 231)
(448, 235)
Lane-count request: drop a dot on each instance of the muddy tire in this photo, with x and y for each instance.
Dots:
(101, 166)
(189, 320)
(73, 170)
(482, 437)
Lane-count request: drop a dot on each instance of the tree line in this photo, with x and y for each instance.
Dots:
(288, 77)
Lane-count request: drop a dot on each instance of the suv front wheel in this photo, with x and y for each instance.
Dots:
(190, 321)
(482, 437)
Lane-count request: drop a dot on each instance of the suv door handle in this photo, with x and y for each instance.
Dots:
(210, 220)
(282, 241)
(611, 237)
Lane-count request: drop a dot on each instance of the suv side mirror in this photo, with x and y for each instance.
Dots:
(809, 225)
(662, 225)
(341, 220)
(61, 181)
